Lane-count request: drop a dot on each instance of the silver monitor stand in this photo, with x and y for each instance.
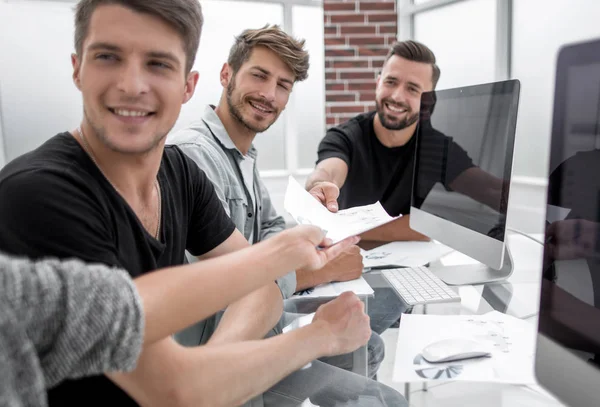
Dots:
(469, 274)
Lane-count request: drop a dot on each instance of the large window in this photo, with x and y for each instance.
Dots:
(540, 28)
(462, 36)
(38, 98)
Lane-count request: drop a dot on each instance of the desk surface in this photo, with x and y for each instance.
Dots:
(517, 296)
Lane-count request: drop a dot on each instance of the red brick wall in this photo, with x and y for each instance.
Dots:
(358, 34)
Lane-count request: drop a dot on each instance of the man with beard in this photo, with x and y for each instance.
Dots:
(370, 157)
(257, 79)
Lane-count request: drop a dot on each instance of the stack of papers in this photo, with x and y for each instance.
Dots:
(306, 210)
(403, 254)
(359, 287)
(511, 341)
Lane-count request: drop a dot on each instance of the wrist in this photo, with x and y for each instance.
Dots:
(276, 254)
(322, 338)
(323, 276)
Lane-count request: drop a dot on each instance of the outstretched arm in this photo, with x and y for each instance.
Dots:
(226, 374)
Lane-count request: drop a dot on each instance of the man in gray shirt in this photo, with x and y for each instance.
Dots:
(262, 68)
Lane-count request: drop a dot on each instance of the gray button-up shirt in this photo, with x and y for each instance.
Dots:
(206, 142)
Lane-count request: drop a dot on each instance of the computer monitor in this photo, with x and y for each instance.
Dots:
(461, 181)
(567, 359)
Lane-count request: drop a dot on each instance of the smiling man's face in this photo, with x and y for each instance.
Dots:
(398, 92)
(131, 73)
(260, 90)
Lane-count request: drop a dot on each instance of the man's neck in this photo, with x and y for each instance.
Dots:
(241, 136)
(393, 138)
(132, 175)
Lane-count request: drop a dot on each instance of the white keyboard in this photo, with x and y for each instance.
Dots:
(418, 285)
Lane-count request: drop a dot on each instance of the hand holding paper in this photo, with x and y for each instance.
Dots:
(305, 209)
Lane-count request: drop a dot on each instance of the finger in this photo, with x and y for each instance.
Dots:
(331, 193)
(332, 205)
(354, 249)
(333, 251)
(318, 195)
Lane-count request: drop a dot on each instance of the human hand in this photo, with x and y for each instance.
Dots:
(299, 247)
(347, 266)
(327, 193)
(344, 319)
(572, 239)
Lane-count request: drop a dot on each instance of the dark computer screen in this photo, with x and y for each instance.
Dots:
(464, 154)
(570, 297)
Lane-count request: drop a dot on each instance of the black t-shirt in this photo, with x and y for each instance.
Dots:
(380, 173)
(54, 201)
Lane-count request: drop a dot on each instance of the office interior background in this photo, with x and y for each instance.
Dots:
(475, 41)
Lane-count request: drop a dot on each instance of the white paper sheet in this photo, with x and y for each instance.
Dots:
(404, 254)
(511, 341)
(556, 213)
(305, 209)
(299, 323)
(358, 287)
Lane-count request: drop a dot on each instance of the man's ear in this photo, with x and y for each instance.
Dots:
(190, 85)
(76, 63)
(226, 74)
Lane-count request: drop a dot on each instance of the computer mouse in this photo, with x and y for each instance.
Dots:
(449, 350)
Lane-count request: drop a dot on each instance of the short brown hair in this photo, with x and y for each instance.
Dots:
(417, 52)
(290, 50)
(185, 16)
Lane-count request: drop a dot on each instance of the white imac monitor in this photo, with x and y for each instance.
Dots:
(461, 180)
(567, 361)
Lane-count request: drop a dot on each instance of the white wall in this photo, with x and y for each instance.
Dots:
(38, 96)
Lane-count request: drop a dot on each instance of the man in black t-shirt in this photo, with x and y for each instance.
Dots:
(110, 192)
(370, 158)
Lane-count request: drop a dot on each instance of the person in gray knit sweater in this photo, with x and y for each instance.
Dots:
(67, 319)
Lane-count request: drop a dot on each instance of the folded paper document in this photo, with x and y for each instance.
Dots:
(305, 209)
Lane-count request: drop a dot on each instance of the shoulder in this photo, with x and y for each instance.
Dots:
(193, 133)
(355, 128)
(197, 143)
(58, 163)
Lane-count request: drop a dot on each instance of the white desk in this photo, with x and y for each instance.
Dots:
(518, 296)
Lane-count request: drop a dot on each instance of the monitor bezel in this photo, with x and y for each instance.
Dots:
(483, 248)
(557, 369)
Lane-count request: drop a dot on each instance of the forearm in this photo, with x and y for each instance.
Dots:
(76, 315)
(396, 230)
(193, 292)
(263, 307)
(223, 374)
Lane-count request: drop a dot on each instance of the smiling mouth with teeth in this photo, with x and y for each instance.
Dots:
(260, 108)
(130, 113)
(396, 109)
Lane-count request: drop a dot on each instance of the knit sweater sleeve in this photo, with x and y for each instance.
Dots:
(82, 319)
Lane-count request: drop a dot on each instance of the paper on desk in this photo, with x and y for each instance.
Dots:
(358, 287)
(511, 341)
(404, 254)
(299, 322)
(305, 209)
(556, 213)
